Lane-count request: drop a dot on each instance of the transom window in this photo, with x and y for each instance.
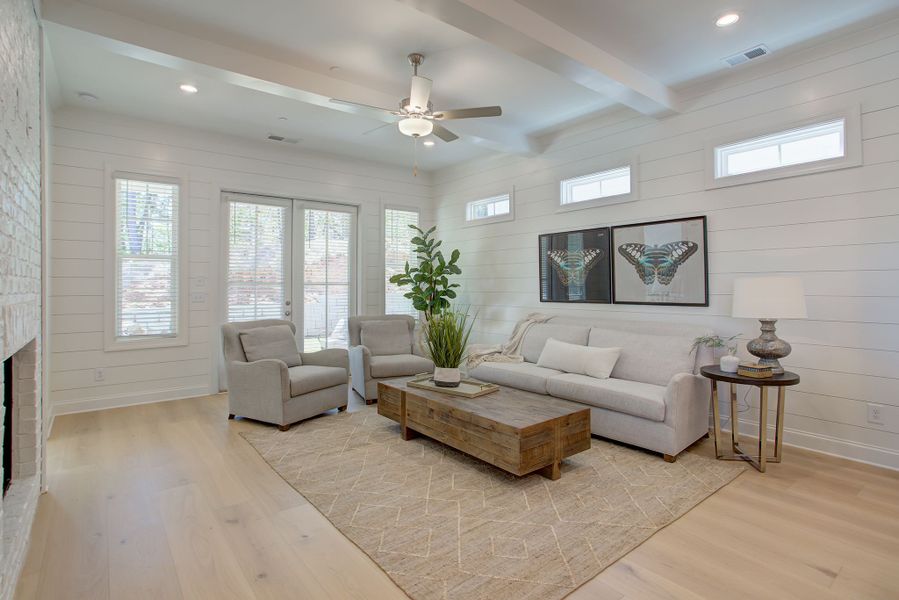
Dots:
(147, 295)
(604, 184)
(809, 144)
(488, 208)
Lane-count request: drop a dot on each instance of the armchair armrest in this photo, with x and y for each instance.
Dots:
(332, 357)
(260, 383)
(360, 361)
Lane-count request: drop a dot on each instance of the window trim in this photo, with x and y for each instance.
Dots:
(852, 145)
(632, 162)
(152, 172)
(383, 235)
(510, 216)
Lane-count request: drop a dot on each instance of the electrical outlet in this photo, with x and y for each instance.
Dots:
(99, 375)
(198, 298)
(875, 414)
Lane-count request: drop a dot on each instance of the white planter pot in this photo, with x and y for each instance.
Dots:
(730, 363)
(447, 377)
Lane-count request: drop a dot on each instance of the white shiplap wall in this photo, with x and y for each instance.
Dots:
(838, 230)
(83, 142)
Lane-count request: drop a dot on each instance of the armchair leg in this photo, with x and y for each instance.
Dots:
(283, 427)
(231, 417)
(668, 458)
(341, 408)
(370, 402)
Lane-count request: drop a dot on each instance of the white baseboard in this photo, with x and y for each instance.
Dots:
(122, 400)
(816, 442)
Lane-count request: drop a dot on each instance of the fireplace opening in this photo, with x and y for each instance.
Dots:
(7, 423)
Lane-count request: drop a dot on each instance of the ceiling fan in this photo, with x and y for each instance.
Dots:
(416, 117)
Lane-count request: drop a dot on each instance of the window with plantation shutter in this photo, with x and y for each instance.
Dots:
(257, 273)
(148, 299)
(398, 250)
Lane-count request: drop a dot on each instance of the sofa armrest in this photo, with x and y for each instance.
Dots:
(259, 382)
(687, 407)
(332, 357)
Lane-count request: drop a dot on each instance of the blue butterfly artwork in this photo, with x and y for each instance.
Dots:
(658, 262)
(572, 267)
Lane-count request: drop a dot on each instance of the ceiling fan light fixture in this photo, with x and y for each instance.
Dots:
(416, 127)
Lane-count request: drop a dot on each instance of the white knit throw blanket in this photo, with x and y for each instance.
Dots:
(509, 350)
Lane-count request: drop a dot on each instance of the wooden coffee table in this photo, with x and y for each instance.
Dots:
(517, 431)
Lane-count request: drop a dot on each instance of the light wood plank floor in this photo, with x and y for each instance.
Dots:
(167, 501)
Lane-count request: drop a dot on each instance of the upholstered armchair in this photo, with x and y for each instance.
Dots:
(270, 380)
(383, 347)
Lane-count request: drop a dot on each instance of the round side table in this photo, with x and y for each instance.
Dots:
(781, 382)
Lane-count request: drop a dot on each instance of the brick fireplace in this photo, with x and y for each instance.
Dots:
(20, 274)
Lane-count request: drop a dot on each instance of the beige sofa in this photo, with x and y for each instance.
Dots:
(393, 353)
(270, 391)
(654, 399)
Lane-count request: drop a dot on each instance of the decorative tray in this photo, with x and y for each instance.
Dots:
(468, 388)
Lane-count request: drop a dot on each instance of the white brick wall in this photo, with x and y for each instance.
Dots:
(20, 270)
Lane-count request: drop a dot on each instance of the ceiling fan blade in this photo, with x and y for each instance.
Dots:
(420, 94)
(365, 109)
(378, 128)
(443, 133)
(469, 113)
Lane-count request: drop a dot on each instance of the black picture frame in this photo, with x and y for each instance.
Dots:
(632, 270)
(564, 276)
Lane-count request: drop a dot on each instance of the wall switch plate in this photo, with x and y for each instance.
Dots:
(99, 374)
(198, 298)
(875, 414)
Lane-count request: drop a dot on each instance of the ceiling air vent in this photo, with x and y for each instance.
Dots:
(747, 55)
(280, 138)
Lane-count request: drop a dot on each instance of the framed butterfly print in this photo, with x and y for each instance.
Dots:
(661, 262)
(574, 266)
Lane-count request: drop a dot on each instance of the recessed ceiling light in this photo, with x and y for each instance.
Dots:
(428, 143)
(282, 118)
(727, 20)
(333, 68)
(188, 88)
(87, 97)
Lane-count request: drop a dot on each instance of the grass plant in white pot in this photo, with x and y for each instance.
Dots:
(446, 339)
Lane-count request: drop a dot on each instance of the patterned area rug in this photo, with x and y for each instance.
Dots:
(449, 527)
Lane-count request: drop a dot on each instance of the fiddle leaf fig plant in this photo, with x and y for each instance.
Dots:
(431, 291)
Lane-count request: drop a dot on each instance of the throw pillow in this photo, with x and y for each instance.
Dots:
(574, 358)
(383, 338)
(274, 341)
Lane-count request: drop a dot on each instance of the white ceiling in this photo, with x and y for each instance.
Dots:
(676, 40)
(368, 41)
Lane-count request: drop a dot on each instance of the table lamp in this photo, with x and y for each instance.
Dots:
(768, 299)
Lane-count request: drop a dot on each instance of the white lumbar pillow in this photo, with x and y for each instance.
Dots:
(573, 358)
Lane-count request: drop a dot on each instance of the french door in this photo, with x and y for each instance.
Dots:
(292, 259)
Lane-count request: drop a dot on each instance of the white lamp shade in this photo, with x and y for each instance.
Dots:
(769, 298)
(416, 127)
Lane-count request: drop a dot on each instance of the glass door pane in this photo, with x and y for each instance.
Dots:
(258, 269)
(328, 248)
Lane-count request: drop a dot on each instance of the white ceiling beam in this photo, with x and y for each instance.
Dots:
(156, 45)
(521, 31)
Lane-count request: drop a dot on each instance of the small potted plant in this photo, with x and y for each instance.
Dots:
(446, 336)
(729, 362)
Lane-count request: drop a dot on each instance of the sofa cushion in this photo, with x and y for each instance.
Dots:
(536, 337)
(645, 357)
(383, 338)
(631, 397)
(399, 365)
(574, 358)
(522, 376)
(309, 378)
(274, 341)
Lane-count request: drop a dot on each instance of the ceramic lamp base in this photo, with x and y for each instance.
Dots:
(769, 348)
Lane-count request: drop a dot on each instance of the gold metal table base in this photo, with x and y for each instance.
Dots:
(760, 460)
